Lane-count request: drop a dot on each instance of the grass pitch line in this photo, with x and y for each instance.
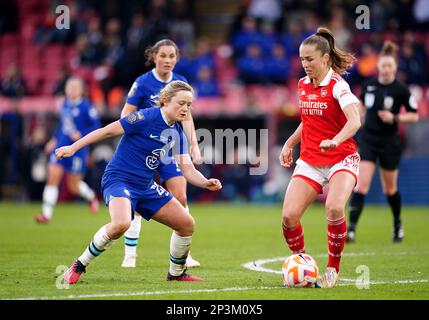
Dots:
(258, 265)
(146, 293)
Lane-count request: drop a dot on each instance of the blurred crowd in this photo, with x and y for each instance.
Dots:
(109, 37)
(106, 41)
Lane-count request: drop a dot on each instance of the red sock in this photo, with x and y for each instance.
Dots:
(337, 230)
(294, 238)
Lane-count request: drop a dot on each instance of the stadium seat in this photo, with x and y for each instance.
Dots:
(206, 106)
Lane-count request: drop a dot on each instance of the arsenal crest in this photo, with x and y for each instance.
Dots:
(323, 92)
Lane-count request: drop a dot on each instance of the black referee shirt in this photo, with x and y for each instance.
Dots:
(376, 96)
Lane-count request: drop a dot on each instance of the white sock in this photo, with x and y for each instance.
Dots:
(131, 237)
(50, 197)
(179, 248)
(98, 245)
(85, 191)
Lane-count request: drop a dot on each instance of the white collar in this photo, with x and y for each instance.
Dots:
(159, 79)
(325, 80)
(165, 118)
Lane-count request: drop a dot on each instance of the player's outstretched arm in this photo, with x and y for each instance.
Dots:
(111, 130)
(193, 176)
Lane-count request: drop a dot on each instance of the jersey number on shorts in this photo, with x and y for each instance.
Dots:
(159, 189)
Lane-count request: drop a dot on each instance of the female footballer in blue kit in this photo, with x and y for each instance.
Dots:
(128, 185)
(144, 94)
(78, 117)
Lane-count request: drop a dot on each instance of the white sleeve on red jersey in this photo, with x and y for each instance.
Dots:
(342, 93)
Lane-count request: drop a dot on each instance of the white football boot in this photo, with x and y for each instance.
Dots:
(329, 278)
(129, 261)
(191, 263)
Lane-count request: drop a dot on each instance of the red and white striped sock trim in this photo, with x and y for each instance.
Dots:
(336, 222)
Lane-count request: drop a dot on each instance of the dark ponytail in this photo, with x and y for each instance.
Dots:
(151, 52)
(324, 40)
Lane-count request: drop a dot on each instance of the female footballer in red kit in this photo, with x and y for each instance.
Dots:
(328, 156)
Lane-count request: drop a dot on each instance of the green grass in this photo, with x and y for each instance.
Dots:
(226, 237)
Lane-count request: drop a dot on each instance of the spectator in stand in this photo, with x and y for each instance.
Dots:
(206, 84)
(252, 66)
(59, 88)
(203, 58)
(366, 65)
(293, 37)
(337, 25)
(412, 68)
(86, 54)
(137, 34)
(95, 34)
(247, 34)
(13, 85)
(277, 65)
(181, 27)
(269, 10)
(112, 42)
(269, 37)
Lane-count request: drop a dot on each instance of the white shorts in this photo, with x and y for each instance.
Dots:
(318, 177)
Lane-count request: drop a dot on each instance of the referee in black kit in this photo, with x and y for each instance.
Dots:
(383, 98)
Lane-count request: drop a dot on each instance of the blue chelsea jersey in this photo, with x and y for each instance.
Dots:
(81, 117)
(148, 140)
(144, 92)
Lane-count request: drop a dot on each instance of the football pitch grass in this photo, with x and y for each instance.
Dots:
(227, 238)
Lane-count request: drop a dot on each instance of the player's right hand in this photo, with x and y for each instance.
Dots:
(64, 152)
(285, 157)
(213, 185)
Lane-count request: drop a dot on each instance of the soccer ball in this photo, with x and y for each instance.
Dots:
(299, 271)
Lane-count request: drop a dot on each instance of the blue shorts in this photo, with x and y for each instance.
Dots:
(75, 165)
(145, 200)
(169, 169)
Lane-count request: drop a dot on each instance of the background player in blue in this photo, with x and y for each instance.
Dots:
(128, 184)
(144, 94)
(78, 117)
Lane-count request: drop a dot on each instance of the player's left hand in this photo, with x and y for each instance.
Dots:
(213, 185)
(386, 116)
(64, 152)
(327, 144)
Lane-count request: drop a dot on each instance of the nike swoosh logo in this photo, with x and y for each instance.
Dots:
(153, 96)
(152, 136)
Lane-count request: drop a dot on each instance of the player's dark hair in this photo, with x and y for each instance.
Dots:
(389, 49)
(170, 90)
(324, 41)
(151, 52)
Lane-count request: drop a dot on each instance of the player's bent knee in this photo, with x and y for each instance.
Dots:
(119, 228)
(290, 221)
(187, 227)
(334, 210)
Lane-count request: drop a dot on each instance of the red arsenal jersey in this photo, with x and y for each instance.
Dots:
(322, 118)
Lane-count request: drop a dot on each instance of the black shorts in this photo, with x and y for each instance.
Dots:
(386, 151)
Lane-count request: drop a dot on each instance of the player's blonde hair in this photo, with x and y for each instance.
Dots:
(324, 41)
(171, 89)
(151, 52)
